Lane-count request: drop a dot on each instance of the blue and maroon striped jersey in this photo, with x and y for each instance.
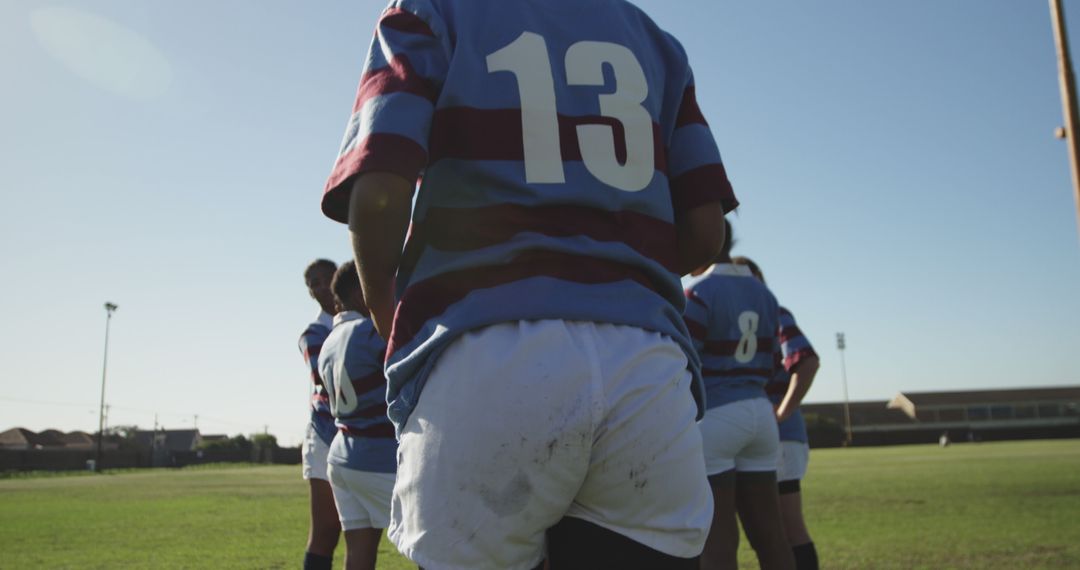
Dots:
(794, 347)
(558, 156)
(733, 319)
(351, 364)
(311, 342)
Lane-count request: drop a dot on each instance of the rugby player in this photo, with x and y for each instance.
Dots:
(541, 379)
(733, 318)
(786, 391)
(324, 529)
(362, 457)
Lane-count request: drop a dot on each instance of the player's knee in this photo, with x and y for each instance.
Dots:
(575, 544)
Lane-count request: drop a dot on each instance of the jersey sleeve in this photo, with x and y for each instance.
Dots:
(391, 117)
(695, 169)
(696, 316)
(311, 342)
(794, 346)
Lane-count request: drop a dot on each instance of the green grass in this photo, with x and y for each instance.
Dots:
(990, 505)
(1000, 505)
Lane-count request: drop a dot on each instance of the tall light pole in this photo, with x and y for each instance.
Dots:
(841, 344)
(1068, 99)
(109, 308)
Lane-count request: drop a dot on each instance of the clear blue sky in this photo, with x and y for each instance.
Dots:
(895, 161)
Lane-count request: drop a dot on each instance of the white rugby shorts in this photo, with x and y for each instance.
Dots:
(522, 423)
(741, 435)
(793, 458)
(313, 453)
(362, 497)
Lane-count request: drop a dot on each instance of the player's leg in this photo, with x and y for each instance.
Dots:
(645, 502)
(794, 456)
(722, 546)
(725, 431)
(496, 448)
(361, 548)
(363, 501)
(324, 528)
(756, 497)
(802, 546)
(759, 510)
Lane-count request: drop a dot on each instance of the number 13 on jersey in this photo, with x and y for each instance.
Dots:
(527, 58)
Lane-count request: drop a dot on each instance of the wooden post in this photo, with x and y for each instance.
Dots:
(1068, 98)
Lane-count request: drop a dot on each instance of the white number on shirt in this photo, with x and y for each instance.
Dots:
(527, 58)
(747, 347)
(342, 394)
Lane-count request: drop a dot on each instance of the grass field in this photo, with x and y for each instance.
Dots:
(990, 505)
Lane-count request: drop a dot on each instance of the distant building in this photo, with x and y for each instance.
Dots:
(168, 439)
(923, 417)
(18, 438)
(21, 438)
(214, 438)
(1029, 409)
(78, 440)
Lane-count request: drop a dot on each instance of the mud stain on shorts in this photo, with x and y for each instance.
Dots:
(511, 499)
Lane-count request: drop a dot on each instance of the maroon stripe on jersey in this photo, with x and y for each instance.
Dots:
(463, 229)
(320, 399)
(397, 77)
(791, 363)
(732, 372)
(729, 347)
(777, 388)
(431, 297)
(690, 296)
(379, 152)
(703, 185)
(369, 412)
(312, 351)
(383, 429)
(467, 133)
(404, 21)
(316, 378)
(689, 112)
(365, 384)
(697, 330)
(789, 333)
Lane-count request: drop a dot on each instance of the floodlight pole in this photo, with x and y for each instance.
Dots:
(841, 344)
(1068, 99)
(109, 308)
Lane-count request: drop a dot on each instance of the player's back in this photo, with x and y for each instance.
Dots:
(734, 319)
(560, 141)
(351, 367)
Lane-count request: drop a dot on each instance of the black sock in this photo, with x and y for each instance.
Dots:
(805, 556)
(314, 561)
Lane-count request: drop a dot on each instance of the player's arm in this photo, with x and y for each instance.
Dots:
(801, 379)
(310, 347)
(378, 220)
(700, 191)
(700, 236)
(385, 145)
